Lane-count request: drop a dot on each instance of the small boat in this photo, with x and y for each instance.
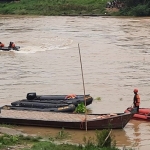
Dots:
(34, 96)
(141, 117)
(65, 120)
(51, 101)
(144, 110)
(143, 114)
(16, 48)
(68, 108)
(26, 103)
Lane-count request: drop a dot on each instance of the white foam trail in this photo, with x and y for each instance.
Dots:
(34, 49)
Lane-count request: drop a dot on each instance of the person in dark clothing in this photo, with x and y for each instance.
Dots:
(136, 99)
(11, 45)
(1, 44)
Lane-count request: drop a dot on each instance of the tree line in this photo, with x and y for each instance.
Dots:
(75, 7)
(136, 8)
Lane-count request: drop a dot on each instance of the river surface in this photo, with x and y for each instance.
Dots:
(115, 59)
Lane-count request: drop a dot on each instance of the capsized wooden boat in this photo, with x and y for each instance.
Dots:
(143, 114)
(65, 120)
(16, 48)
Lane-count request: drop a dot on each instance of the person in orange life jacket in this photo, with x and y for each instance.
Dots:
(11, 45)
(136, 99)
(1, 44)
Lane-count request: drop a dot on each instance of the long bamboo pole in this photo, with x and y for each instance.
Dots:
(83, 88)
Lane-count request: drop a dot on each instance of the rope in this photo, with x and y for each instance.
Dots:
(122, 122)
(82, 121)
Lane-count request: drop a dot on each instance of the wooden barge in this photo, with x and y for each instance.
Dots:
(64, 120)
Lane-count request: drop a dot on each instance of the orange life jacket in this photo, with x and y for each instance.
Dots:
(136, 100)
(13, 45)
(70, 96)
(1, 45)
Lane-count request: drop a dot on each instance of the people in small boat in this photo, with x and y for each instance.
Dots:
(11, 45)
(1, 44)
(136, 99)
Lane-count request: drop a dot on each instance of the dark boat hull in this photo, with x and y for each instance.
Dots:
(33, 96)
(50, 101)
(65, 120)
(69, 108)
(25, 103)
(8, 48)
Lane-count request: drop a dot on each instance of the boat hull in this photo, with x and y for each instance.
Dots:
(65, 120)
(144, 110)
(49, 104)
(25, 103)
(141, 117)
(52, 101)
(9, 48)
(143, 114)
(34, 96)
(69, 108)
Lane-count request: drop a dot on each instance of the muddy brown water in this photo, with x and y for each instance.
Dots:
(115, 58)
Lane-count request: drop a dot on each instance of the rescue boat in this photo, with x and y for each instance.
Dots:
(16, 48)
(57, 103)
(143, 114)
(67, 108)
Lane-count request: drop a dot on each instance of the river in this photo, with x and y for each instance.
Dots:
(115, 58)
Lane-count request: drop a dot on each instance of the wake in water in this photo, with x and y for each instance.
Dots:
(52, 44)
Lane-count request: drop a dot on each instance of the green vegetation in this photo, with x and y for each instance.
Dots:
(7, 125)
(80, 108)
(9, 140)
(135, 8)
(103, 140)
(98, 98)
(74, 7)
(101, 143)
(62, 135)
(51, 7)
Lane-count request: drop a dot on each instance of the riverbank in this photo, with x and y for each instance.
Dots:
(14, 139)
(58, 8)
(75, 8)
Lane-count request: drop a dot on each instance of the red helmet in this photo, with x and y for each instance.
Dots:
(135, 90)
